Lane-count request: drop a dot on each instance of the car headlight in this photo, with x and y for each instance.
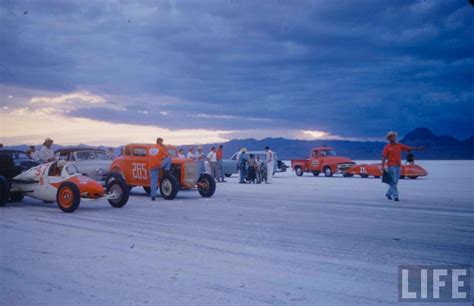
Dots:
(100, 171)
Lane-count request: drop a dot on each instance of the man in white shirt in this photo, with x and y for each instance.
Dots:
(270, 163)
(46, 154)
(190, 154)
(200, 158)
(212, 159)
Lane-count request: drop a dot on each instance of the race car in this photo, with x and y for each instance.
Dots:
(58, 181)
(375, 170)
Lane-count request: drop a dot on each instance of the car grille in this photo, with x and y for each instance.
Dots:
(190, 173)
(345, 166)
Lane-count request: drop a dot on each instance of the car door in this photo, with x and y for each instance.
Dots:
(137, 171)
(229, 166)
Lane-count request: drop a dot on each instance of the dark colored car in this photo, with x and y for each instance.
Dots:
(20, 158)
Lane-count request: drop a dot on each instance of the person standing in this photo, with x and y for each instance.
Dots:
(212, 159)
(258, 169)
(190, 154)
(33, 154)
(270, 164)
(181, 153)
(46, 154)
(242, 165)
(111, 153)
(200, 158)
(159, 159)
(219, 157)
(252, 169)
(391, 162)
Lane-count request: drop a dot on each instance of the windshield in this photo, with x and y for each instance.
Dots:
(91, 155)
(328, 153)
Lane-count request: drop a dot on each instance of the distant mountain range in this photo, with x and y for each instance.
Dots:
(437, 147)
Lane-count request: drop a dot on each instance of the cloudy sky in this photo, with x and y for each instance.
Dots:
(110, 72)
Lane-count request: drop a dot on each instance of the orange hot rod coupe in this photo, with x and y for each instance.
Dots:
(375, 170)
(133, 167)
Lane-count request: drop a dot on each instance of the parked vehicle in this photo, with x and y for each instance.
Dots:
(230, 166)
(322, 159)
(375, 170)
(20, 158)
(132, 166)
(91, 162)
(58, 181)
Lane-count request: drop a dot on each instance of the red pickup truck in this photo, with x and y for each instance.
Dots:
(322, 159)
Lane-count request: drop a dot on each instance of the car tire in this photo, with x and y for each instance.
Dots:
(227, 175)
(4, 191)
(68, 197)
(298, 171)
(327, 172)
(362, 175)
(413, 177)
(169, 187)
(316, 173)
(377, 176)
(16, 197)
(122, 189)
(206, 185)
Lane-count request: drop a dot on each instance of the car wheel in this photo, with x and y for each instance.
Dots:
(122, 191)
(206, 185)
(4, 191)
(364, 175)
(169, 187)
(16, 197)
(316, 173)
(68, 197)
(327, 172)
(377, 176)
(228, 175)
(299, 171)
(413, 177)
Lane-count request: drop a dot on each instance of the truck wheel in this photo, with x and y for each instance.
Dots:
(4, 191)
(122, 190)
(68, 197)
(363, 175)
(316, 173)
(169, 187)
(16, 197)
(228, 175)
(327, 172)
(206, 185)
(299, 171)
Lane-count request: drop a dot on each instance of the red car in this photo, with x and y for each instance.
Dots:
(322, 159)
(375, 170)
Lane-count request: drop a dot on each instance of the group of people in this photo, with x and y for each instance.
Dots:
(44, 155)
(253, 170)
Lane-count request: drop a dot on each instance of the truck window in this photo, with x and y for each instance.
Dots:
(315, 154)
(139, 152)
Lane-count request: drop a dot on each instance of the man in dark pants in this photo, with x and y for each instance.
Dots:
(391, 161)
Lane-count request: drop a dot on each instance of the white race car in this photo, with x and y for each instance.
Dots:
(58, 181)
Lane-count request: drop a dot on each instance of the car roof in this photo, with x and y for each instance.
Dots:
(11, 151)
(69, 150)
(323, 148)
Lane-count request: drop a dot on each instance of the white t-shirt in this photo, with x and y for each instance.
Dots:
(212, 157)
(269, 156)
(191, 155)
(45, 154)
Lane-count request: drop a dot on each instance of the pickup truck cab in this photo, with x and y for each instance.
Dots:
(133, 167)
(322, 159)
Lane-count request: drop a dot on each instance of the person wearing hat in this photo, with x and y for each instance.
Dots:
(200, 158)
(46, 154)
(242, 165)
(391, 161)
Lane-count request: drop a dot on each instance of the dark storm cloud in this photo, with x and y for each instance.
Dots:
(352, 68)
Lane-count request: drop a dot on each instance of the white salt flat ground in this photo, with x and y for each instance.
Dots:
(301, 240)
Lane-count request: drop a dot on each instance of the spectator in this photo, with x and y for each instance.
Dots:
(46, 154)
(258, 169)
(270, 163)
(181, 153)
(391, 161)
(191, 153)
(220, 170)
(251, 176)
(212, 159)
(33, 154)
(110, 153)
(200, 158)
(159, 159)
(410, 158)
(242, 165)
